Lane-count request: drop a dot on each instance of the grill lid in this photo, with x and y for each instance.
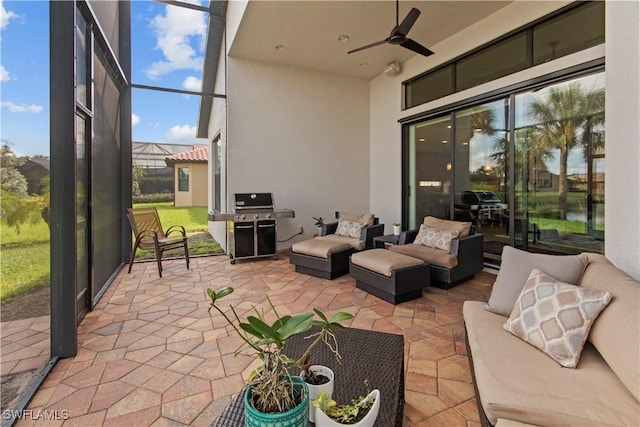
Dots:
(246, 201)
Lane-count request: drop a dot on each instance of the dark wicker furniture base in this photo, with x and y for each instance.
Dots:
(336, 265)
(367, 355)
(404, 284)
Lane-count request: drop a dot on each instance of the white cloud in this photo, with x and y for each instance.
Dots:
(182, 134)
(4, 74)
(134, 119)
(174, 32)
(22, 108)
(5, 16)
(192, 83)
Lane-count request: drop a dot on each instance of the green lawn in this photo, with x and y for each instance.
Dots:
(24, 260)
(24, 256)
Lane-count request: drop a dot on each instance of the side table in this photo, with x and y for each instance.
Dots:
(381, 242)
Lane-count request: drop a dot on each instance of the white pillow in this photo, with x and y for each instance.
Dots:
(435, 238)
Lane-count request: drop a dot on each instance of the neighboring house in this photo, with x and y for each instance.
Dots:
(34, 170)
(323, 130)
(158, 177)
(190, 172)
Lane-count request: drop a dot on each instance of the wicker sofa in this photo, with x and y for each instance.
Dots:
(327, 256)
(518, 384)
(448, 267)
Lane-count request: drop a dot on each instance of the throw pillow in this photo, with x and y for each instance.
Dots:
(555, 317)
(515, 268)
(435, 238)
(366, 219)
(463, 228)
(349, 229)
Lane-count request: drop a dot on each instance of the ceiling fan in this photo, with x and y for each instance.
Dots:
(398, 35)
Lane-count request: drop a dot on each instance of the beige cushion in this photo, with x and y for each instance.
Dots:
(555, 317)
(366, 219)
(349, 228)
(383, 261)
(517, 382)
(510, 423)
(318, 247)
(616, 332)
(435, 237)
(463, 228)
(430, 255)
(356, 244)
(514, 271)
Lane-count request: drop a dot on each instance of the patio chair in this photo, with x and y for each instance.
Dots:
(149, 234)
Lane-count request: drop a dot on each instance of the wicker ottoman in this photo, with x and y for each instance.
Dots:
(321, 258)
(388, 275)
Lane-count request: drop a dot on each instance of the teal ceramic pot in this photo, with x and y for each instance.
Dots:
(296, 417)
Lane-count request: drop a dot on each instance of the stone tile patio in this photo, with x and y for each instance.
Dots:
(151, 355)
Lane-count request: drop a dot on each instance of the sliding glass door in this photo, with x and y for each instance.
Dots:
(559, 189)
(527, 169)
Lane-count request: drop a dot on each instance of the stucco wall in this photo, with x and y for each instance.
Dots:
(302, 135)
(622, 151)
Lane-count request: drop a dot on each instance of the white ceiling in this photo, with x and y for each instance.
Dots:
(310, 30)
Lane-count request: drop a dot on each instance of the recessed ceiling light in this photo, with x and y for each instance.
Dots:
(448, 126)
(421, 140)
(343, 38)
(280, 47)
(364, 64)
(444, 141)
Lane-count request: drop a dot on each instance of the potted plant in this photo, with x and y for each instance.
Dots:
(361, 412)
(319, 222)
(319, 379)
(273, 395)
(396, 228)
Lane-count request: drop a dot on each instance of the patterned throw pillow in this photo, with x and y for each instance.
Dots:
(349, 229)
(555, 316)
(435, 238)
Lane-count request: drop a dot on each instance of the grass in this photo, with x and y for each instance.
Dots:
(25, 262)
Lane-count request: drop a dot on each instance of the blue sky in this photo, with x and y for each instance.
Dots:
(167, 48)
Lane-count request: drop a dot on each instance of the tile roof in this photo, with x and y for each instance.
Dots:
(199, 154)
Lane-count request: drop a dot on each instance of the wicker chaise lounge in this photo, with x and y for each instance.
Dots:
(452, 261)
(327, 256)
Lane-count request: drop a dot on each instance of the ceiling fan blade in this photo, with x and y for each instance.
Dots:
(416, 47)
(369, 45)
(406, 24)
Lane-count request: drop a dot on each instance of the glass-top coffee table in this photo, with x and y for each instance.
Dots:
(366, 355)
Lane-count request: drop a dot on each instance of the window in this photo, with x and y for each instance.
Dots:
(573, 29)
(183, 179)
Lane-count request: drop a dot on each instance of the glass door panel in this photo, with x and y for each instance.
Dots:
(555, 180)
(82, 210)
(428, 172)
(481, 172)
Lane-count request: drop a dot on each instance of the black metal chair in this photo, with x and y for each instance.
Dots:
(149, 235)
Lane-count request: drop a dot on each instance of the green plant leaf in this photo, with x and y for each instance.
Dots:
(224, 292)
(321, 315)
(251, 330)
(212, 295)
(295, 325)
(340, 317)
(280, 322)
(261, 327)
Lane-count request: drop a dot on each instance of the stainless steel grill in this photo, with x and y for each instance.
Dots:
(251, 227)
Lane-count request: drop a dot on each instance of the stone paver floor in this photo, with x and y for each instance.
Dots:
(150, 354)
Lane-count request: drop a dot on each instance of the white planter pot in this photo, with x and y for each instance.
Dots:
(315, 390)
(397, 229)
(323, 419)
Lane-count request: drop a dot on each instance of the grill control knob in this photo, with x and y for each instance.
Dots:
(268, 215)
(242, 216)
(256, 216)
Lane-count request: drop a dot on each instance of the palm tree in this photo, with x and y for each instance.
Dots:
(562, 118)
